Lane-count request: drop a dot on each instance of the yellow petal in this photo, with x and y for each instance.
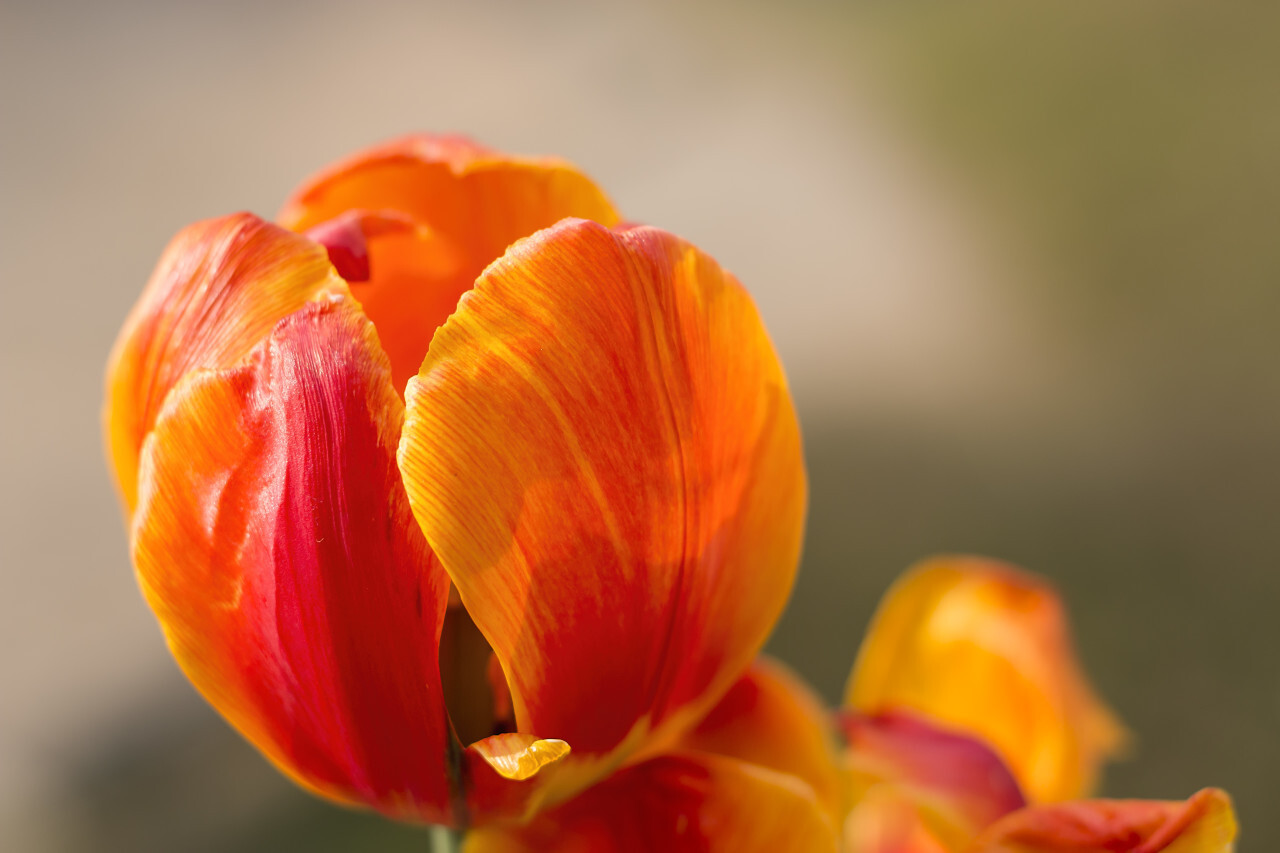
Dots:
(518, 756)
(985, 648)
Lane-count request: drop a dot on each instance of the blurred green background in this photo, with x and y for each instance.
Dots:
(1021, 261)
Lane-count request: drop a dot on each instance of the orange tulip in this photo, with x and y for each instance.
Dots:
(985, 649)
(967, 694)
(449, 515)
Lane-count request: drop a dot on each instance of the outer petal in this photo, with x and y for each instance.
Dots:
(602, 449)
(773, 719)
(683, 803)
(274, 541)
(1205, 823)
(985, 648)
(467, 202)
(219, 288)
(914, 781)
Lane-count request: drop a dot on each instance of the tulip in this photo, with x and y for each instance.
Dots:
(451, 493)
(967, 710)
(985, 649)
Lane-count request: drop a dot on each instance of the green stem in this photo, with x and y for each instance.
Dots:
(445, 840)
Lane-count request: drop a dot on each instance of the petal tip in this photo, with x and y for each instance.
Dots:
(518, 756)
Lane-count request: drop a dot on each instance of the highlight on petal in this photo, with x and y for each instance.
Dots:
(1205, 823)
(602, 450)
(984, 648)
(274, 541)
(772, 719)
(681, 803)
(914, 780)
(218, 290)
(467, 204)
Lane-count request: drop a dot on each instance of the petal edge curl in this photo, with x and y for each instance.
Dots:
(217, 291)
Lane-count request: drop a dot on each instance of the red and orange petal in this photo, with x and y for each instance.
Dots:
(274, 541)
(601, 445)
(218, 290)
(677, 803)
(913, 780)
(466, 204)
(772, 719)
(985, 648)
(1205, 823)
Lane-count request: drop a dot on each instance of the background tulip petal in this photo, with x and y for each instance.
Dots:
(602, 449)
(468, 202)
(275, 543)
(1205, 823)
(681, 803)
(218, 290)
(771, 718)
(886, 820)
(952, 785)
(985, 649)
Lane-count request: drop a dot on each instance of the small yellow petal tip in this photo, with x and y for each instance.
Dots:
(519, 756)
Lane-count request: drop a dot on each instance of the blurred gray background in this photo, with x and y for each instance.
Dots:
(1021, 261)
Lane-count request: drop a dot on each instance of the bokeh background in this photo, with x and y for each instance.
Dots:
(1021, 259)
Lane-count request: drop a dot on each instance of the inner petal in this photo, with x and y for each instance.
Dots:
(429, 214)
(407, 277)
(415, 281)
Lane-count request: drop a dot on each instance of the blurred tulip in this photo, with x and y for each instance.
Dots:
(418, 545)
(984, 649)
(966, 694)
